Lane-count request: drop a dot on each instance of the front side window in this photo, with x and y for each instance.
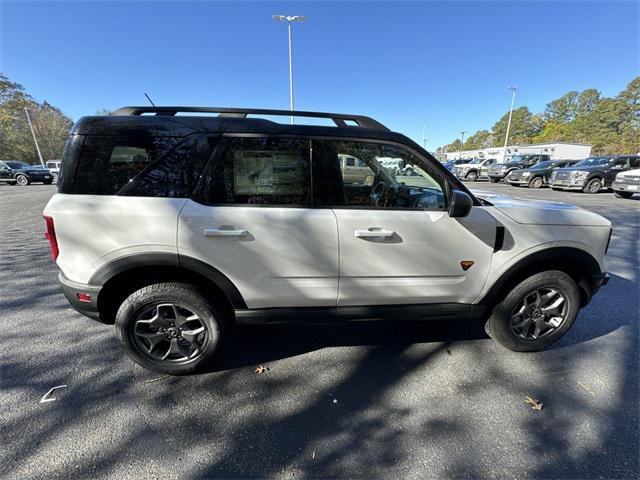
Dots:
(260, 171)
(620, 164)
(405, 184)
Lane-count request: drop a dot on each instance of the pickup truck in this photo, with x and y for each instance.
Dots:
(498, 171)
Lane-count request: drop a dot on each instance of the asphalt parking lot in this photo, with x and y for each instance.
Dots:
(361, 401)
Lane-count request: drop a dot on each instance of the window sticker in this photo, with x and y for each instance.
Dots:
(264, 172)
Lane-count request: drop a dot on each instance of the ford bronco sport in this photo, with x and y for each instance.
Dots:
(177, 227)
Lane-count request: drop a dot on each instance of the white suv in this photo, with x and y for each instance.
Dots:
(177, 227)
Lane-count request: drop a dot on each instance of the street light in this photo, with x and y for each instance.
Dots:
(506, 137)
(461, 143)
(289, 19)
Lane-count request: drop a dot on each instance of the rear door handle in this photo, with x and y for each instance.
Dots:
(374, 232)
(224, 232)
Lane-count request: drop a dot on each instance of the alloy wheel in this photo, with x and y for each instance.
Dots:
(170, 333)
(539, 313)
(536, 182)
(22, 180)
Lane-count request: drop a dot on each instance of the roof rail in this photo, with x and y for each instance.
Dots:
(340, 119)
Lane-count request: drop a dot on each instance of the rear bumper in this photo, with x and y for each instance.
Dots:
(73, 290)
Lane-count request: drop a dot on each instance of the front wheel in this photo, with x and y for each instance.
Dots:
(22, 180)
(536, 182)
(169, 328)
(472, 176)
(620, 194)
(536, 312)
(593, 186)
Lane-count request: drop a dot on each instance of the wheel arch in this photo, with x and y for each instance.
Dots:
(577, 263)
(123, 276)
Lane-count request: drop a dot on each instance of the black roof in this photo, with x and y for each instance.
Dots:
(164, 121)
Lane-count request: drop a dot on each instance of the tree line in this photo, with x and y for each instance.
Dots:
(51, 126)
(610, 125)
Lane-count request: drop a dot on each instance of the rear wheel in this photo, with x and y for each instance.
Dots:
(536, 312)
(169, 328)
(22, 180)
(620, 194)
(593, 186)
(536, 182)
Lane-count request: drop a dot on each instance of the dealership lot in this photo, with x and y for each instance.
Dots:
(409, 400)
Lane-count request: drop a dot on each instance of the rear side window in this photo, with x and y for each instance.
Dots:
(140, 165)
(260, 171)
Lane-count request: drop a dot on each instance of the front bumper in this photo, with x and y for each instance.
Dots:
(497, 175)
(520, 181)
(73, 291)
(568, 184)
(626, 187)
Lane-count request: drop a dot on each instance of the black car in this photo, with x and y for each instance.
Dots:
(498, 171)
(538, 175)
(13, 172)
(593, 174)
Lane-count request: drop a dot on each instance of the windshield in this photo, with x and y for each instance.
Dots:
(18, 165)
(477, 160)
(541, 165)
(516, 159)
(592, 162)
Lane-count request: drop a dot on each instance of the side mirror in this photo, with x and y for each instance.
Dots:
(460, 204)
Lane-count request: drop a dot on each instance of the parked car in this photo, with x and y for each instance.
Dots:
(397, 166)
(474, 170)
(21, 173)
(593, 174)
(498, 171)
(627, 183)
(451, 164)
(538, 175)
(54, 168)
(227, 219)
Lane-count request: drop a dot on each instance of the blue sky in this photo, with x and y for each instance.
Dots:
(446, 64)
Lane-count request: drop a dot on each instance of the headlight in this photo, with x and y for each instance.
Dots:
(526, 174)
(579, 175)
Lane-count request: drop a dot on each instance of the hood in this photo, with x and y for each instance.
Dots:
(583, 169)
(629, 173)
(543, 212)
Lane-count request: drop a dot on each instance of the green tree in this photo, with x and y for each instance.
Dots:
(563, 109)
(480, 139)
(524, 126)
(587, 101)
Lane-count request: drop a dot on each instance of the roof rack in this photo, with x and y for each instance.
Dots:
(340, 119)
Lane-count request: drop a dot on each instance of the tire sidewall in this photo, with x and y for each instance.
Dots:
(182, 295)
(587, 187)
(22, 180)
(536, 182)
(472, 176)
(500, 320)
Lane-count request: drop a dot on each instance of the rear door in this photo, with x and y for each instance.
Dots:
(618, 165)
(398, 244)
(253, 219)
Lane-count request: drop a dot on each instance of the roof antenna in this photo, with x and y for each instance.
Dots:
(148, 98)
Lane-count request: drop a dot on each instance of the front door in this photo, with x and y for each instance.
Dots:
(253, 221)
(398, 244)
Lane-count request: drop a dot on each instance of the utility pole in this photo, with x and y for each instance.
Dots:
(289, 19)
(506, 137)
(33, 134)
(461, 142)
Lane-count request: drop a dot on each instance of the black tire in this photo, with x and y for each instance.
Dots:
(48, 182)
(593, 186)
(22, 180)
(11, 183)
(471, 176)
(494, 180)
(536, 182)
(155, 301)
(620, 194)
(501, 322)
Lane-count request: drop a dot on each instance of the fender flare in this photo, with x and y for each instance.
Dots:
(171, 260)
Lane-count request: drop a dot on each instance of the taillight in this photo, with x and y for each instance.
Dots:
(50, 235)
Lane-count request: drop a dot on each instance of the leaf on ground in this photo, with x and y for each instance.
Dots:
(535, 404)
(260, 369)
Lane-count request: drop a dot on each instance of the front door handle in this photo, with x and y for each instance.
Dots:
(224, 232)
(374, 232)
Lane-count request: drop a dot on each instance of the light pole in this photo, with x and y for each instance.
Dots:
(461, 143)
(33, 134)
(506, 137)
(289, 19)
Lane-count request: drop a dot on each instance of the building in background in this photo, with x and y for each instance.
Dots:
(557, 150)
